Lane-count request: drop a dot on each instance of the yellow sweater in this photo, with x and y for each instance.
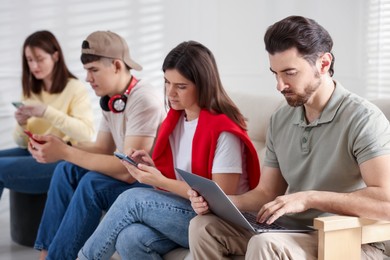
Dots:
(68, 115)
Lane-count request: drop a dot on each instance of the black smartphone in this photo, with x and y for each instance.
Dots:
(126, 158)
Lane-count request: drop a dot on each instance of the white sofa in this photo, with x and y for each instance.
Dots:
(258, 108)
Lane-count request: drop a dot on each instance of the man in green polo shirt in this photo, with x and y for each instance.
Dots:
(328, 151)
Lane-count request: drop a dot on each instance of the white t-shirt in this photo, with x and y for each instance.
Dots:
(229, 154)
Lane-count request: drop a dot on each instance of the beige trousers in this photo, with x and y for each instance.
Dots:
(212, 238)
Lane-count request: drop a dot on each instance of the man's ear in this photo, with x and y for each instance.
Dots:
(118, 65)
(326, 61)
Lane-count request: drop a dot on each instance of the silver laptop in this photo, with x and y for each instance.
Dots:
(223, 207)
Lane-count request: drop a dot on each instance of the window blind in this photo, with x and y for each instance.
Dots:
(378, 49)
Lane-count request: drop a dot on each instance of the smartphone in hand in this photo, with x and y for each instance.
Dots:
(126, 158)
(31, 136)
(17, 104)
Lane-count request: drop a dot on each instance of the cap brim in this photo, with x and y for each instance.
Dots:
(133, 65)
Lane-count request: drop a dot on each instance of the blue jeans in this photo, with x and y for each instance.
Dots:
(75, 202)
(20, 172)
(141, 224)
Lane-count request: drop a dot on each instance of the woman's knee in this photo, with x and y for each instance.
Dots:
(134, 195)
(124, 242)
(134, 240)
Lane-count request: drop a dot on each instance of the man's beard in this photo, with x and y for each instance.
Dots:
(299, 100)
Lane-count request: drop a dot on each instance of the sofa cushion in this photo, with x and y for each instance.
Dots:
(257, 108)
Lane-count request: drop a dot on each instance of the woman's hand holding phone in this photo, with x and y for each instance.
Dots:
(20, 116)
(30, 135)
(125, 158)
(141, 157)
(17, 104)
(36, 110)
(144, 172)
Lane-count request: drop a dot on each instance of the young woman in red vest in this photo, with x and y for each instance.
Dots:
(204, 133)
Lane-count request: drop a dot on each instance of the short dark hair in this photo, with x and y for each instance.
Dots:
(306, 35)
(88, 58)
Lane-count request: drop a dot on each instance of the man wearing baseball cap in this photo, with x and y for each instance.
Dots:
(90, 178)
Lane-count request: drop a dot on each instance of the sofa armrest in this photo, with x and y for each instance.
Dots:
(341, 237)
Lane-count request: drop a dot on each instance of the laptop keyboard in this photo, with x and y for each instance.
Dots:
(263, 226)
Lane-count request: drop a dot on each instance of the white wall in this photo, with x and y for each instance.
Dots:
(232, 29)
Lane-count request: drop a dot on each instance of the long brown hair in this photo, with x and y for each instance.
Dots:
(46, 41)
(197, 63)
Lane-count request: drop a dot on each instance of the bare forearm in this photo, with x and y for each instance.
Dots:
(370, 202)
(103, 163)
(91, 147)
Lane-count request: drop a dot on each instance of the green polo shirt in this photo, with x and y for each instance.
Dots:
(325, 154)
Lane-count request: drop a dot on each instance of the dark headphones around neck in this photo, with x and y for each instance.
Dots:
(117, 103)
